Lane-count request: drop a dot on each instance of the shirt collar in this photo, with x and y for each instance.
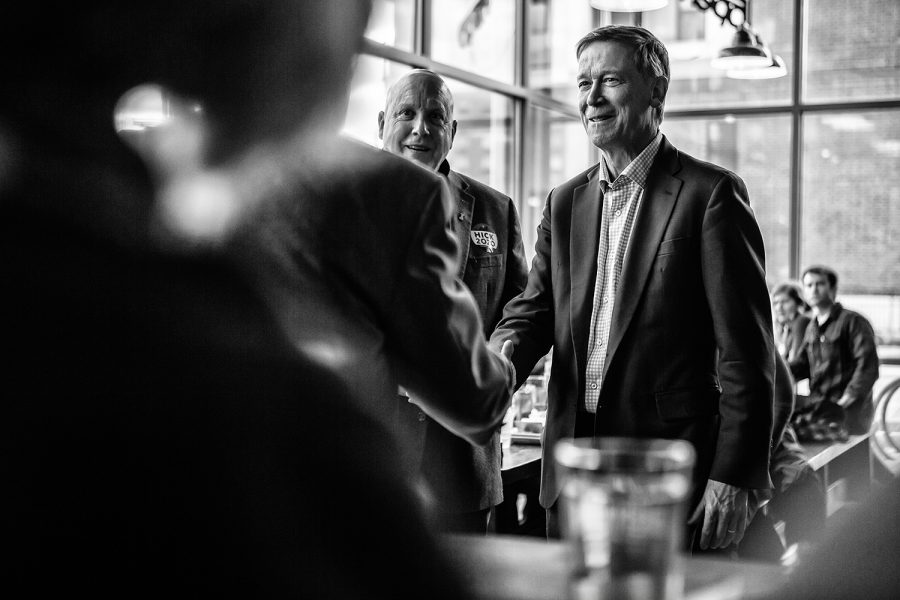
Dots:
(637, 169)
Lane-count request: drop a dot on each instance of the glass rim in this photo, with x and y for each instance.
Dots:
(657, 455)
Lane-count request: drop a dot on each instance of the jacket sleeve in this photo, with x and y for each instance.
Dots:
(516, 265)
(865, 360)
(528, 318)
(734, 280)
(442, 358)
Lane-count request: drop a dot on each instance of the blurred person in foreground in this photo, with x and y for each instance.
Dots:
(840, 360)
(856, 559)
(162, 434)
(462, 480)
(791, 319)
(649, 284)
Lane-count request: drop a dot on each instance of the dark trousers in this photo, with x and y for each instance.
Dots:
(584, 427)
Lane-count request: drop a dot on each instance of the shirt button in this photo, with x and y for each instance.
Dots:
(618, 211)
(461, 216)
(594, 385)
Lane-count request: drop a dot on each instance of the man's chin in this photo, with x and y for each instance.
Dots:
(419, 159)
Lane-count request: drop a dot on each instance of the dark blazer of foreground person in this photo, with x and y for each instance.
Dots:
(360, 266)
(165, 438)
(160, 435)
(690, 352)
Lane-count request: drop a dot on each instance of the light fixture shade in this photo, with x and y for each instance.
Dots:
(774, 70)
(746, 52)
(628, 5)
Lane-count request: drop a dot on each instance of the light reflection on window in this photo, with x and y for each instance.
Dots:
(391, 23)
(478, 35)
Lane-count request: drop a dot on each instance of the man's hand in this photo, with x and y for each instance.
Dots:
(725, 511)
(506, 351)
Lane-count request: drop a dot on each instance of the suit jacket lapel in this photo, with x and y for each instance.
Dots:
(660, 197)
(462, 222)
(584, 240)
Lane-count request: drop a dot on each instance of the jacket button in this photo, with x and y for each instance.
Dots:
(421, 417)
(461, 216)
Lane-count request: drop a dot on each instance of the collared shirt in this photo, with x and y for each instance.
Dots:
(621, 201)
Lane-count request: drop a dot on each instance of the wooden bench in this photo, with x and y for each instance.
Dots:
(845, 467)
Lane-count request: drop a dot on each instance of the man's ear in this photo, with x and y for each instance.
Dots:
(658, 91)
(381, 125)
(452, 132)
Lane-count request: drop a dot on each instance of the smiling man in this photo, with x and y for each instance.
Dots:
(649, 284)
(462, 481)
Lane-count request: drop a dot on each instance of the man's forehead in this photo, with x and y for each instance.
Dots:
(605, 54)
(421, 91)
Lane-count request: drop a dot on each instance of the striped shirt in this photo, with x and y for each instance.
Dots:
(621, 201)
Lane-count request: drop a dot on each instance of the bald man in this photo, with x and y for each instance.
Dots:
(462, 481)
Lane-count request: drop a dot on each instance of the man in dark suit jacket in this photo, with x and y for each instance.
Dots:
(161, 435)
(462, 480)
(668, 335)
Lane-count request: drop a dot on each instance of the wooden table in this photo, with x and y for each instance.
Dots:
(846, 469)
(520, 568)
(520, 462)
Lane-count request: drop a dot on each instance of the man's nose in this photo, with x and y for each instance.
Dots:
(420, 126)
(595, 94)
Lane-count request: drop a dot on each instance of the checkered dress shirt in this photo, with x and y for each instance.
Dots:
(621, 200)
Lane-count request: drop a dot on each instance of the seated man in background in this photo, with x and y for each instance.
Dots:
(163, 436)
(462, 480)
(840, 360)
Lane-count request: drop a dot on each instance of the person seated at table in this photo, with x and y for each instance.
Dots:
(839, 359)
(161, 435)
(791, 320)
(798, 498)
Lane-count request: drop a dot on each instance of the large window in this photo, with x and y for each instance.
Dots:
(368, 92)
(483, 148)
(851, 198)
(693, 39)
(757, 149)
(554, 27)
(852, 51)
(392, 23)
(557, 151)
(476, 35)
(818, 148)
